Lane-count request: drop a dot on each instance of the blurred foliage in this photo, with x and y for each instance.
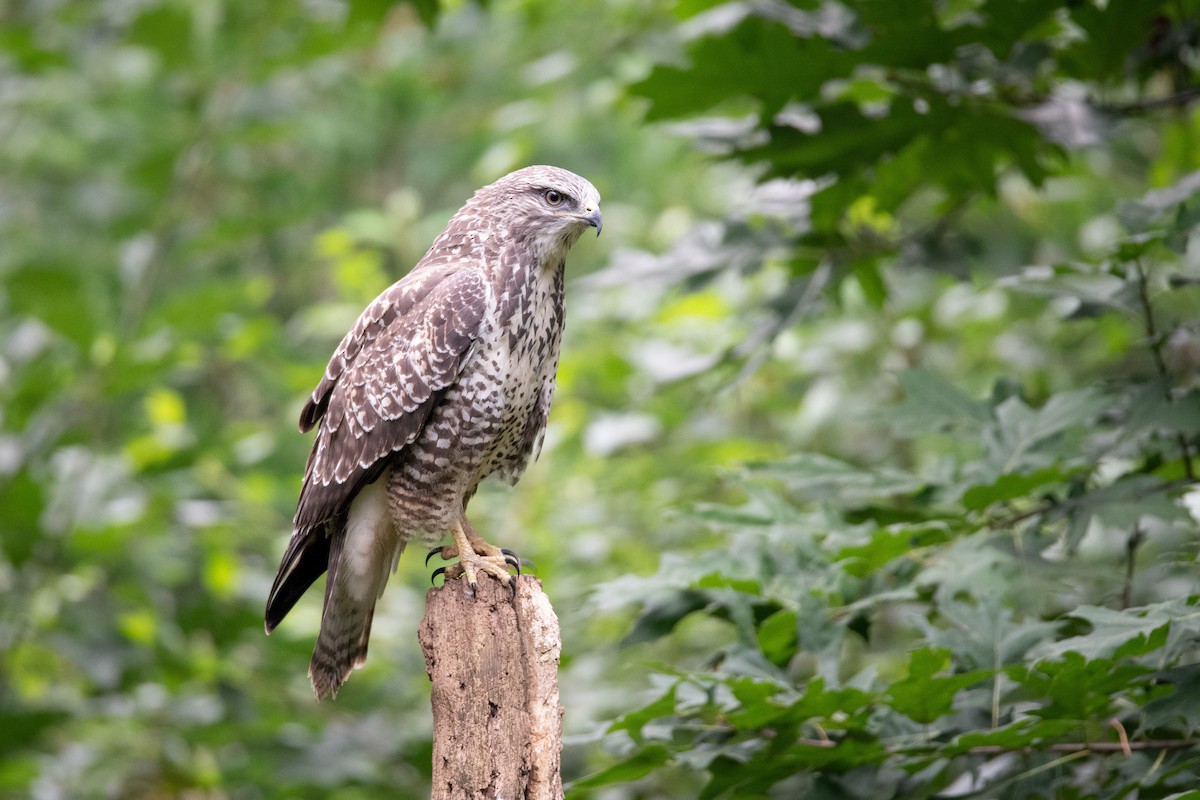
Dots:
(197, 200)
(877, 419)
(973, 571)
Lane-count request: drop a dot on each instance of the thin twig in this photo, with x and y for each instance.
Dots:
(1136, 537)
(1069, 503)
(1179, 99)
(1148, 312)
(1124, 746)
(1049, 765)
(1090, 747)
(1044, 507)
(1160, 364)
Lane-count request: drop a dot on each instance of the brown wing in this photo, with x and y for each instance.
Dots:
(394, 303)
(379, 389)
(386, 391)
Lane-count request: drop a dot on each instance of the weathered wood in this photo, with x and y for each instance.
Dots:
(493, 661)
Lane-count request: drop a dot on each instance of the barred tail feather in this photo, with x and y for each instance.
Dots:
(342, 643)
(361, 558)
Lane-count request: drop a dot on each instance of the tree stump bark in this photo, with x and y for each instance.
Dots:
(493, 661)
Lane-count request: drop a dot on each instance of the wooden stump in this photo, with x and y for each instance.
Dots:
(497, 722)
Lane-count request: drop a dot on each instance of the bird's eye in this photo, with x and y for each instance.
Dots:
(553, 198)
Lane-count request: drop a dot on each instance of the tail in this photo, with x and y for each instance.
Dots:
(346, 618)
(307, 556)
(340, 649)
(345, 628)
(361, 557)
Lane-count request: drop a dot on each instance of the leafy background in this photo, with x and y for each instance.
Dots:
(872, 469)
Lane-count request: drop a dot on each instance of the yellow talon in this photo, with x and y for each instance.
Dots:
(476, 556)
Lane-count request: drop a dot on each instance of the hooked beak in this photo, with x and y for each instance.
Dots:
(593, 218)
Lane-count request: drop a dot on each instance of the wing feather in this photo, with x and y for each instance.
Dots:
(373, 400)
(396, 302)
(386, 382)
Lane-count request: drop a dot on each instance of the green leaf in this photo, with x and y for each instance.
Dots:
(57, 296)
(22, 499)
(633, 722)
(1019, 429)
(644, 761)
(986, 634)
(846, 140)
(757, 706)
(29, 54)
(932, 404)
(1077, 688)
(834, 707)
(886, 544)
(371, 12)
(774, 66)
(974, 566)
(716, 580)
(1181, 708)
(662, 612)
(879, 153)
(1024, 732)
(733, 516)
(823, 475)
(922, 695)
(1110, 32)
(1121, 505)
(871, 281)
(165, 29)
(777, 637)
(1118, 634)
(22, 727)
(1011, 486)
(1151, 410)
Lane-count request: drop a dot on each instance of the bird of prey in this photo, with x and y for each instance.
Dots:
(445, 379)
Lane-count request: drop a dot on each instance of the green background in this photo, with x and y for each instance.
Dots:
(872, 467)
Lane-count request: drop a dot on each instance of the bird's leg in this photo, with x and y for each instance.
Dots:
(476, 555)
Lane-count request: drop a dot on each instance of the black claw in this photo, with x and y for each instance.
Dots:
(471, 590)
(437, 551)
(436, 572)
(512, 584)
(512, 559)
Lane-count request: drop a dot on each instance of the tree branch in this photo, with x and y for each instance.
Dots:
(493, 660)
(1180, 99)
(1160, 363)
(1065, 505)
(1136, 537)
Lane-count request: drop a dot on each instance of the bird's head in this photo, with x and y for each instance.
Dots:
(546, 207)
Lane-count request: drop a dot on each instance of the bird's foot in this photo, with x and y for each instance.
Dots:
(476, 556)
